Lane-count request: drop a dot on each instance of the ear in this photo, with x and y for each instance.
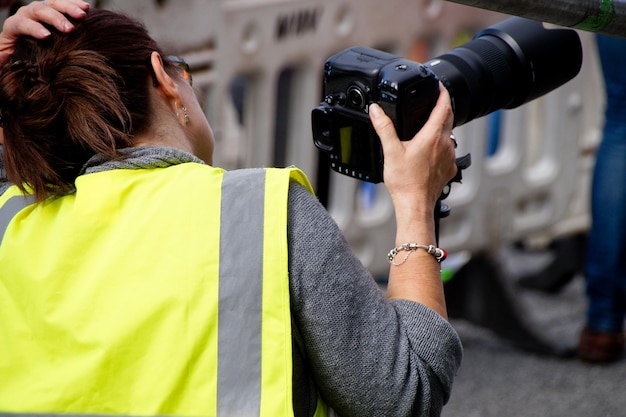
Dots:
(165, 84)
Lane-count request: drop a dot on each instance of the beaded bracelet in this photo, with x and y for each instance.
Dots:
(438, 253)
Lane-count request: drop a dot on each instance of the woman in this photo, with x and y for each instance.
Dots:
(137, 279)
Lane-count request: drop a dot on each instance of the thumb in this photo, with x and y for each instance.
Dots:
(383, 125)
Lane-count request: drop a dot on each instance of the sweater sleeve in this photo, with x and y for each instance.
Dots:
(368, 355)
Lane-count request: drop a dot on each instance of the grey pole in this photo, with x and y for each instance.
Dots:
(602, 16)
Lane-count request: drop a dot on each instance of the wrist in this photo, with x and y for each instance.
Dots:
(438, 253)
(414, 202)
(419, 213)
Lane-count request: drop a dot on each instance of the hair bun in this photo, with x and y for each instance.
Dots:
(32, 71)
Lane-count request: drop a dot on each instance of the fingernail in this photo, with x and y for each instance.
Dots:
(44, 33)
(375, 110)
(67, 26)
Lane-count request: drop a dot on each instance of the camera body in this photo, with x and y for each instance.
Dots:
(353, 79)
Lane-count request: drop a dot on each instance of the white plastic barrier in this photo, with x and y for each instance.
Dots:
(535, 186)
(263, 41)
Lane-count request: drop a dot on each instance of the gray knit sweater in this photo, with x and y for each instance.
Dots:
(366, 356)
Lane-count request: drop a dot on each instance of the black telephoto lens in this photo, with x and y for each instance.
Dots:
(507, 65)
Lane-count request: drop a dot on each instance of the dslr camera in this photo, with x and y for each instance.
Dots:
(502, 67)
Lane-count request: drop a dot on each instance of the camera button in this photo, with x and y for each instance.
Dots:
(401, 67)
(388, 97)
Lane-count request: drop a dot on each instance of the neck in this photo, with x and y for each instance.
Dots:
(164, 131)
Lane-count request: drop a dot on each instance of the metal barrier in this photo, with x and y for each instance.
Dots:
(258, 66)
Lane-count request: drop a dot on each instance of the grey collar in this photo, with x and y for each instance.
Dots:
(141, 157)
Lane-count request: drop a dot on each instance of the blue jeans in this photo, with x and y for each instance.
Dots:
(606, 253)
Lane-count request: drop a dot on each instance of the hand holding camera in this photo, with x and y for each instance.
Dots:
(423, 165)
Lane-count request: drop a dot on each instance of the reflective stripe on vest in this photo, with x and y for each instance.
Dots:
(240, 295)
(11, 208)
(250, 293)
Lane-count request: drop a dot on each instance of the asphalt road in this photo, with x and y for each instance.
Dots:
(498, 378)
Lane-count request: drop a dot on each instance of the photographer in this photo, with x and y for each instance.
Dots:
(137, 279)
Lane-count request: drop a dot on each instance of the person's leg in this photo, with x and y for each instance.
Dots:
(606, 251)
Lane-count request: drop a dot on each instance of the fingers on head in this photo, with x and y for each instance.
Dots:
(27, 19)
(53, 13)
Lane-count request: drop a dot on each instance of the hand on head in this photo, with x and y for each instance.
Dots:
(28, 21)
(418, 169)
(82, 93)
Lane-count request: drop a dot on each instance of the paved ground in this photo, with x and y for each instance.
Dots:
(499, 379)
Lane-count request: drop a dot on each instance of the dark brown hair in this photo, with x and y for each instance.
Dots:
(74, 95)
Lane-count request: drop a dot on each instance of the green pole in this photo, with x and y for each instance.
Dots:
(602, 16)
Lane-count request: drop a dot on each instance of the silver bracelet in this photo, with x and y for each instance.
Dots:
(438, 253)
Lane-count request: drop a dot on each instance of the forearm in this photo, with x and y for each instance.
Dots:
(416, 275)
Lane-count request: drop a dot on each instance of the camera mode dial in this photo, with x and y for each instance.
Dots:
(335, 99)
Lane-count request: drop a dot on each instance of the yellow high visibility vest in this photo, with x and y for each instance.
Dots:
(149, 292)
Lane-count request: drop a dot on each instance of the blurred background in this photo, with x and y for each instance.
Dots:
(521, 213)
